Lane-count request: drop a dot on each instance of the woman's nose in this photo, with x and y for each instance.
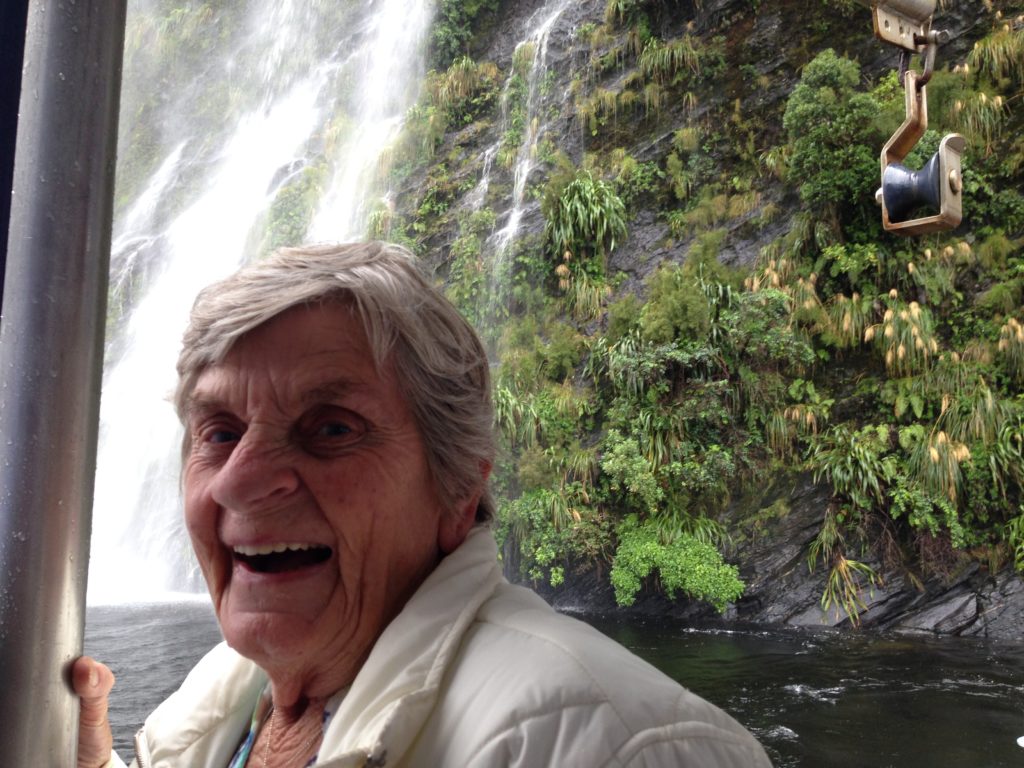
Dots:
(260, 472)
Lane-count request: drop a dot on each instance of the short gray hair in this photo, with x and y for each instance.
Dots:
(439, 362)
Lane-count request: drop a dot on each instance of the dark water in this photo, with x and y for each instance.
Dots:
(813, 699)
(835, 700)
(150, 648)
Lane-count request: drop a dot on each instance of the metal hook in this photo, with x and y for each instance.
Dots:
(928, 45)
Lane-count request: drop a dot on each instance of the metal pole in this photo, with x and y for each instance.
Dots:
(51, 354)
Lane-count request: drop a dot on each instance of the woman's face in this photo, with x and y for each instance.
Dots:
(307, 496)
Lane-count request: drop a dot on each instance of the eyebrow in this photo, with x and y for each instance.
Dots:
(336, 389)
(201, 406)
(332, 390)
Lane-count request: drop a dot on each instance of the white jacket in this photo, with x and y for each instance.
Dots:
(473, 673)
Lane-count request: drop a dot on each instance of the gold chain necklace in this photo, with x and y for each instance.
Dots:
(270, 737)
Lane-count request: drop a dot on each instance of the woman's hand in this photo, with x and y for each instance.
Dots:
(92, 682)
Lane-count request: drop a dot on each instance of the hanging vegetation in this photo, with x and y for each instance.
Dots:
(584, 221)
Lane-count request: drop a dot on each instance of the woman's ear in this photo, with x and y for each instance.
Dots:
(455, 526)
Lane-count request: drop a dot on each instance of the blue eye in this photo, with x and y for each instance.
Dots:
(223, 436)
(333, 429)
(330, 430)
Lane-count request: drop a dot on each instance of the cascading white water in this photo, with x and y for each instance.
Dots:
(535, 103)
(539, 26)
(392, 73)
(136, 501)
(366, 78)
(475, 199)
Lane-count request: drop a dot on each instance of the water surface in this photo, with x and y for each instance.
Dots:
(814, 699)
(834, 699)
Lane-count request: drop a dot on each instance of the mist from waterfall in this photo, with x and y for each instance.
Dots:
(390, 84)
(304, 87)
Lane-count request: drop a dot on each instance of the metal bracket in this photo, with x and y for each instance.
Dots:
(901, 22)
(908, 25)
(949, 180)
(915, 101)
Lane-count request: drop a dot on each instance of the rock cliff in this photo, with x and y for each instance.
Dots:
(588, 104)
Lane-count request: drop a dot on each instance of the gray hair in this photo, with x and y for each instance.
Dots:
(439, 362)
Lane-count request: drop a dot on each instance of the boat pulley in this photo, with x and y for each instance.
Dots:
(936, 189)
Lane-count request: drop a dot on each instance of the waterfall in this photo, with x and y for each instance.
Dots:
(389, 85)
(280, 134)
(531, 55)
(527, 100)
(305, 91)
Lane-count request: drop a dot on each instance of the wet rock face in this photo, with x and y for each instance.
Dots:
(949, 614)
(777, 530)
(976, 605)
(1000, 608)
(783, 590)
(772, 43)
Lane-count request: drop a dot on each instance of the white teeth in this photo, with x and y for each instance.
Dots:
(269, 549)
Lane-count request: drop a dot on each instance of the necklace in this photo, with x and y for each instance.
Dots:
(270, 737)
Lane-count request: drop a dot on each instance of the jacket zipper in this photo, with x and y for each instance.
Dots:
(139, 759)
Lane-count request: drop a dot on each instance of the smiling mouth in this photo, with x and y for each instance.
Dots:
(281, 558)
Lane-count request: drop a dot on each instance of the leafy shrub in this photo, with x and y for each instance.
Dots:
(562, 351)
(630, 474)
(467, 276)
(925, 511)
(623, 317)
(531, 522)
(560, 410)
(675, 307)
(585, 221)
(684, 565)
(637, 181)
(535, 469)
(834, 134)
(857, 265)
(638, 371)
(1015, 537)
(688, 168)
(453, 27)
(856, 463)
(761, 336)
(550, 529)
(293, 208)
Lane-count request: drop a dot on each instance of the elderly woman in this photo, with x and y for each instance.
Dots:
(338, 440)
